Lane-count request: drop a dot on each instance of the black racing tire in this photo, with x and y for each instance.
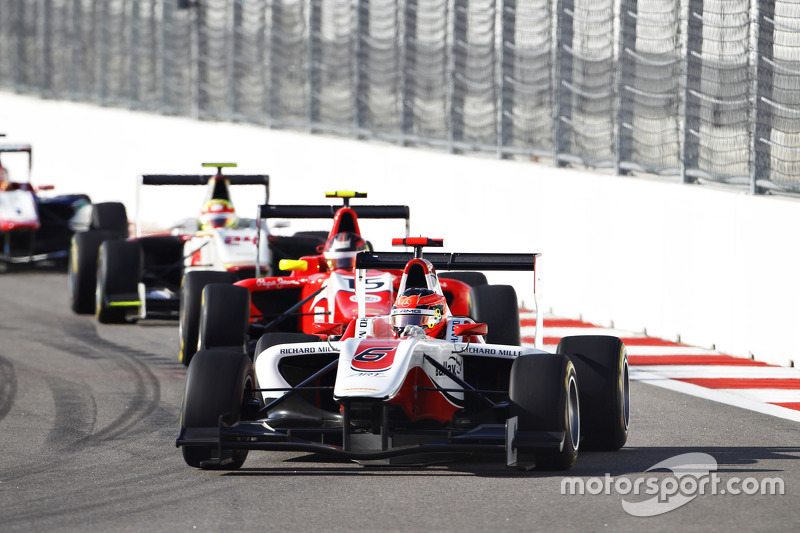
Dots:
(119, 270)
(602, 366)
(473, 279)
(191, 296)
(497, 307)
(82, 269)
(224, 317)
(110, 216)
(219, 383)
(544, 395)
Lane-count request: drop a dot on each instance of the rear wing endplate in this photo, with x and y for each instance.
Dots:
(455, 261)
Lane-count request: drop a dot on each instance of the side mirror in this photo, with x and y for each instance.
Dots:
(465, 330)
(293, 265)
(327, 328)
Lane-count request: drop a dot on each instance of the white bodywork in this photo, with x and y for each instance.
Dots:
(18, 209)
(384, 362)
(224, 249)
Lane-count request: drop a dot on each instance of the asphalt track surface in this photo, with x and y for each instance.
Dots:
(89, 415)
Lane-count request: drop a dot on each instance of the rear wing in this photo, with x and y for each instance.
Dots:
(202, 179)
(328, 211)
(454, 261)
(198, 179)
(267, 211)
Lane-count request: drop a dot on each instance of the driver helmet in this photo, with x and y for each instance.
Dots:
(419, 307)
(218, 214)
(341, 249)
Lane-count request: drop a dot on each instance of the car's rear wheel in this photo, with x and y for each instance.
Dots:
(191, 297)
(82, 269)
(110, 216)
(119, 267)
(224, 317)
(219, 383)
(496, 306)
(602, 366)
(544, 397)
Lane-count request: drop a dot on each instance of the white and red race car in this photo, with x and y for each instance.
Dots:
(125, 279)
(384, 391)
(35, 229)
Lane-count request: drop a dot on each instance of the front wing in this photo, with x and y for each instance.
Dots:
(497, 439)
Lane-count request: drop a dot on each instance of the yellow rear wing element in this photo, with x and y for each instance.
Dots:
(345, 194)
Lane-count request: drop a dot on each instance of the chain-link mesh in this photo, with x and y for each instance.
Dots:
(650, 87)
(704, 89)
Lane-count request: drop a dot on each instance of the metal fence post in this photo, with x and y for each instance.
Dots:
(409, 65)
(507, 60)
(562, 79)
(361, 82)
(626, 74)
(694, 70)
(762, 110)
(314, 53)
(457, 69)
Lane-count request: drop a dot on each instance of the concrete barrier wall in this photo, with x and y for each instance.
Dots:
(700, 264)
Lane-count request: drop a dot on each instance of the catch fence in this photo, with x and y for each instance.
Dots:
(707, 90)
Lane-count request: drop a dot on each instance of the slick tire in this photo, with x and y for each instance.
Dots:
(602, 366)
(496, 306)
(544, 396)
(110, 216)
(219, 384)
(191, 296)
(119, 270)
(82, 269)
(224, 317)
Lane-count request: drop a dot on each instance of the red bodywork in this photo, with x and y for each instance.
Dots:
(272, 296)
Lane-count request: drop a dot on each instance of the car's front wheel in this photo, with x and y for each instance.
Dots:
(602, 366)
(219, 384)
(544, 398)
(119, 267)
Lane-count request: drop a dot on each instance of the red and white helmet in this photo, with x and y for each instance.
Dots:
(218, 213)
(419, 307)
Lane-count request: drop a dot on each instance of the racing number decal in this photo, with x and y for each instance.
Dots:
(374, 359)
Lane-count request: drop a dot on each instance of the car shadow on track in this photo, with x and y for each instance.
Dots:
(632, 460)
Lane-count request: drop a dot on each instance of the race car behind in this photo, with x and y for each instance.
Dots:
(35, 230)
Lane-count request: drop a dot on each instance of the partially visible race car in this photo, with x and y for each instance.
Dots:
(318, 287)
(415, 387)
(124, 279)
(36, 230)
